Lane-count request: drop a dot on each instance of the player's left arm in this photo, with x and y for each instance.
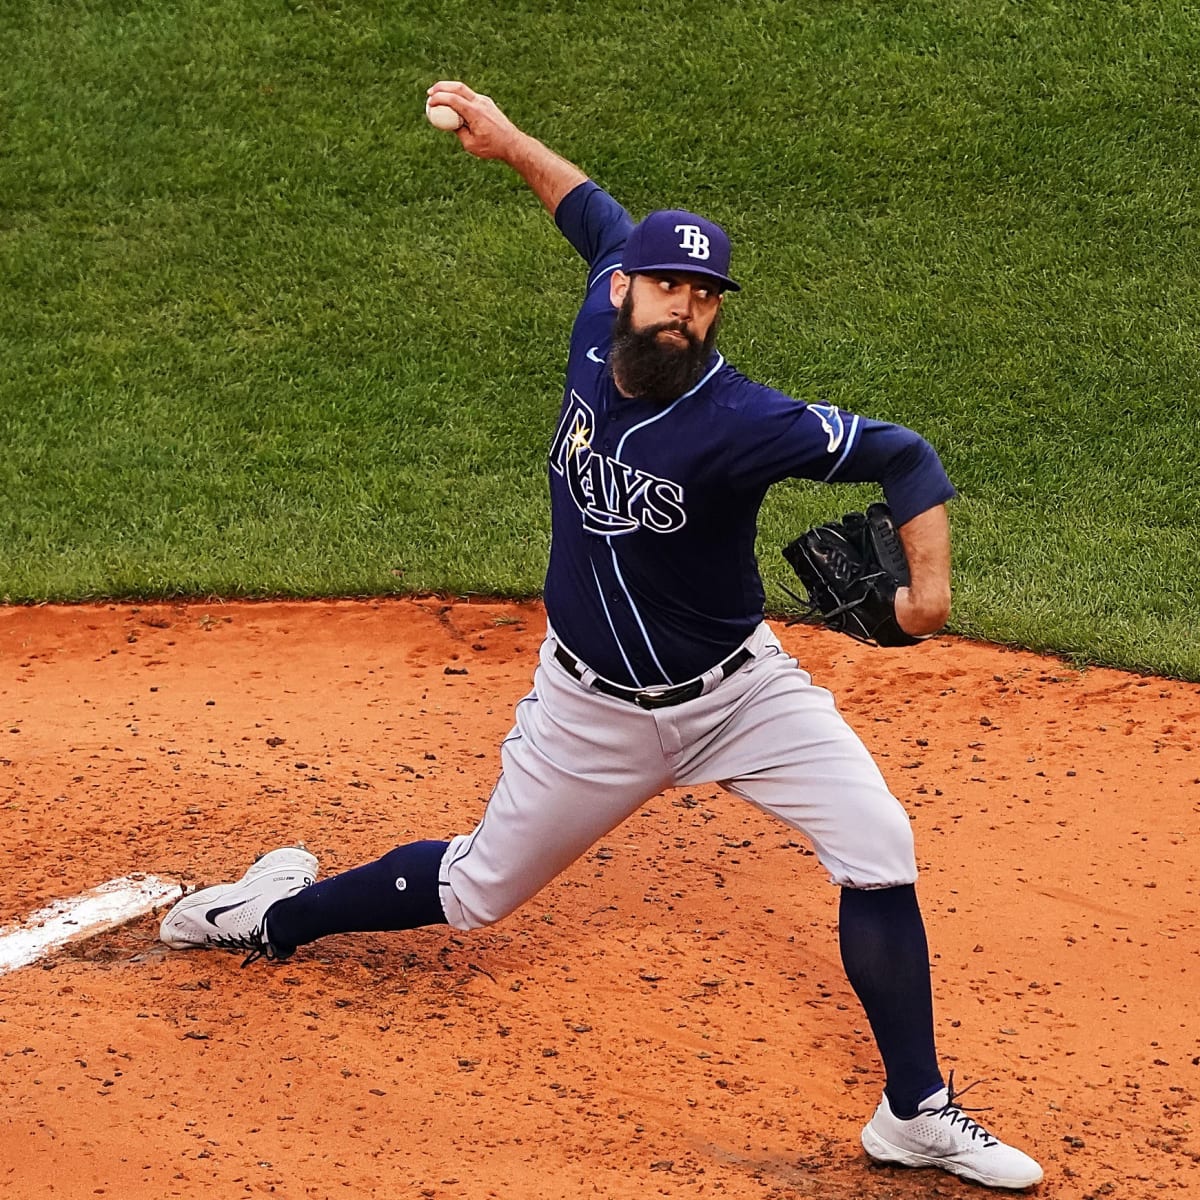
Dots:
(826, 443)
(916, 487)
(923, 607)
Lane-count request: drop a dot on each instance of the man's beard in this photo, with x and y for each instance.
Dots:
(652, 370)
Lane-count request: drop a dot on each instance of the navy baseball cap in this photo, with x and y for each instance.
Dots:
(674, 240)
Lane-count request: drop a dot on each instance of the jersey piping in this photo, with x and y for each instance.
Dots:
(666, 412)
(637, 616)
(608, 617)
(850, 438)
(599, 275)
(633, 608)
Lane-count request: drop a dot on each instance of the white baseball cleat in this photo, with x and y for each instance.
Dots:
(942, 1135)
(232, 916)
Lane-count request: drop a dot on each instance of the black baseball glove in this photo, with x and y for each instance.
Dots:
(851, 569)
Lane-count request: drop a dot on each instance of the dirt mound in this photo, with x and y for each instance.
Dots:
(669, 1018)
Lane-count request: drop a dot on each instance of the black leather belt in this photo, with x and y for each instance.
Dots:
(645, 697)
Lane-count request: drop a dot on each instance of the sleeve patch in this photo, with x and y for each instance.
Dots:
(831, 422)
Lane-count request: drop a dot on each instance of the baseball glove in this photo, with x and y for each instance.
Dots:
(851, 570)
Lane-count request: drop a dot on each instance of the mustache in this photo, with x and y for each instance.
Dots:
(652, 331)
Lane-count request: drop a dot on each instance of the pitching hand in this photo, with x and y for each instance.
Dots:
(486, 132)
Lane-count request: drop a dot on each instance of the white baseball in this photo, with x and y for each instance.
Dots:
(442, 116)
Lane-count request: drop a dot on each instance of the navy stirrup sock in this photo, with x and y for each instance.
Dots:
(398, 891)
(886, 957)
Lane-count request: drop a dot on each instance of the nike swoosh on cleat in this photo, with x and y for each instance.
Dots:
(213, 913)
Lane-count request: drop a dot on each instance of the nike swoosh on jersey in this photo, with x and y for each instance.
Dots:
(213, 913)
(593, 355)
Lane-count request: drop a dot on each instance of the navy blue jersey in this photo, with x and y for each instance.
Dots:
(652, 576)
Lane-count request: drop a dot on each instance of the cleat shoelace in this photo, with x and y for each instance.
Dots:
(956, 1114)
(254, 942)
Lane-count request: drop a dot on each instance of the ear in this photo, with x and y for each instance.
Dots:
(618, 286)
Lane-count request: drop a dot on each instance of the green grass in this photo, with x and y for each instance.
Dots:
(263, 331)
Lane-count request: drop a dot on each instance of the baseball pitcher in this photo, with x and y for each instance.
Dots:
(658, 669)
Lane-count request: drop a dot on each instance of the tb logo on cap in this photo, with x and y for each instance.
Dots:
(694, 242)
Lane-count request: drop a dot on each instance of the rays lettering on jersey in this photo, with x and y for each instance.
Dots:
(614, 498)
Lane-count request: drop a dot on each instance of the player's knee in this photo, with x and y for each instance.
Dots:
(894, 847)
(884, 854)
(467, 913)
(471, 920)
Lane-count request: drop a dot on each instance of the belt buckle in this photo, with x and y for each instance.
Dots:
(667, 698)
(680, 693)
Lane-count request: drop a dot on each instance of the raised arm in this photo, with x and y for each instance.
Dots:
(487, 133)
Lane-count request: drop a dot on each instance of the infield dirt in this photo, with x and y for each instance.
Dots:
(669, 1018)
